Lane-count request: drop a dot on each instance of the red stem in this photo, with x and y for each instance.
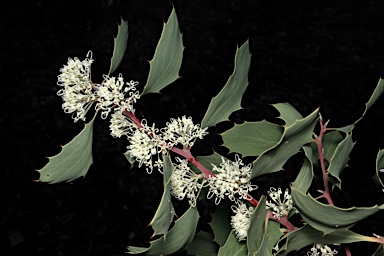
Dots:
(186, 153)
(319, 139)
(347, 251)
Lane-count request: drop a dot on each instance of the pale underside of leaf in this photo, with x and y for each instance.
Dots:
(73, 161)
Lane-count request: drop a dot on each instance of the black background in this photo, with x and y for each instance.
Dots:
(327, 54)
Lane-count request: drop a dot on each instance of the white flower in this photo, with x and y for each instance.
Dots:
(77, 94)
(183, 131)
(142, 148)
(240, 222)
(120, 125)
(184, 182)
(277, 206)
(321, 250)
(145, 143)
(231, 178)
(76, 72)
(111, 94)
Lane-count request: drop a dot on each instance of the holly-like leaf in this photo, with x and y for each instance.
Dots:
(308, 235)
(233, 247)
(229, 98)
(220, 223)
(119, 47)
(252, 138)
(73, 161)
(379, 251)
(340, 159)
(287, 113)
(294, 137)
(165, 212)
(202, 245)
(166, 63)
(375, 95)
(177, 238)
(329, 218)
(379, 166)
(256, 228)
(304, 178)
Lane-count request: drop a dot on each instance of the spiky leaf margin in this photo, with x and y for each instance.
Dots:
(73, 161)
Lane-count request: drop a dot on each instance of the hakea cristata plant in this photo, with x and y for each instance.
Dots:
(241, 224)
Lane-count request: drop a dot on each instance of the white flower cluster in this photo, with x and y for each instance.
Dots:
(277, 206)
(231, 178)
(321, 250)
(185, 183)
(145, 143)
(79, 92)
(240, 221)
(112, 94)
(183, 131)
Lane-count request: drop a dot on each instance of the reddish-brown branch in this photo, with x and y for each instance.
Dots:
(319, 143)
(347, 251)
(186, 153)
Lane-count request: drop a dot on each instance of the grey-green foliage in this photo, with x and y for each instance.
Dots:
(229, 98)
(166, 63)
(119, 46)
(73, 161)
(271, 146)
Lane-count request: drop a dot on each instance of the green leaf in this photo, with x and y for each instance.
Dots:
(307, 235)
(304, 178)
(178, 237)
(288, 113)
(252, 138)
(379, 251)
(294, 137)
(375, 95)
(330, 142)
(256, 228)
(263, 250)
(207, 161)
(273, 234)
(229, 98)
(165, 212)
(119, 46)
(379, 166)
(202, 245)
(340, 159)
(233, 247)
(130, 159)
(220, 223)
(329, 218)
(166, 63)
(73, 161)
